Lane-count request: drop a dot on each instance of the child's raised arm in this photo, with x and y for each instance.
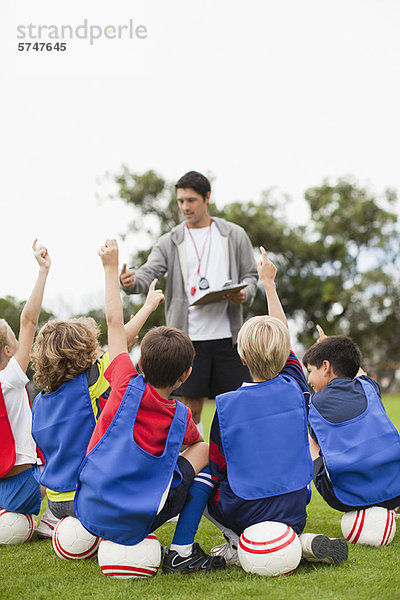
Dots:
(267, 271)
(31, 311)
(114, 314)
(153, 300)
(120, 336)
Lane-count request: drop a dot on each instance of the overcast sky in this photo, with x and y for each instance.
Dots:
(261, 94)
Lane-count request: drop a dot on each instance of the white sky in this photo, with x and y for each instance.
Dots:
(261, 94)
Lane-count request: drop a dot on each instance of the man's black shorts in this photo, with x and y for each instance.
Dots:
(177, 497)
(217, 369)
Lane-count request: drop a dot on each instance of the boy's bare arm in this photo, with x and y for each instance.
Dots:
(153, 300)
(31, 311)
(267, 271)
(120, 336)
(114, 314)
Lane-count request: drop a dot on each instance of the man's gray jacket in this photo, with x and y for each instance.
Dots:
(169, 256)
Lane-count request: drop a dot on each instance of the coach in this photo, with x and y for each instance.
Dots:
(202, 253)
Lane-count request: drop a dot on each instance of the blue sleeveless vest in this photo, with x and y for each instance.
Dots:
(62, 425)
(264, 438)
(120, 485)
(362, 455)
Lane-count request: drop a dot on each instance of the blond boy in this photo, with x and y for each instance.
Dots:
(259, 452)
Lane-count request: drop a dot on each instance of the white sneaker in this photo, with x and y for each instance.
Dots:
(321, 548)
(228, 551)
(47, 524)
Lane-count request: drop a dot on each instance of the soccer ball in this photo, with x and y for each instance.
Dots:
(124, 562)
(373, 526)
(16, 528)
(72, 541)
(270, 549)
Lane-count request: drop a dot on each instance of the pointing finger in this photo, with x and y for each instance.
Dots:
(153, 285)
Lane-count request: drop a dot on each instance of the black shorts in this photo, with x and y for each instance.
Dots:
(237, 514)
(325, 488)
(217, 369)
(177, 497)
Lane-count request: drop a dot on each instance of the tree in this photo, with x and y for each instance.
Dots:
(339, 269)
(11, 308)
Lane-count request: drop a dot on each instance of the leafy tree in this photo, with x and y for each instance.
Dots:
(11, 308)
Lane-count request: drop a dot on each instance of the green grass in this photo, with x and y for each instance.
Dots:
(33, 571)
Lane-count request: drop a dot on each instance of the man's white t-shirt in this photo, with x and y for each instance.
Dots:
(13, 381)
(209, 321)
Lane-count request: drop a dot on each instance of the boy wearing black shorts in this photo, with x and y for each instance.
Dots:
(354, 446)
(133, 478)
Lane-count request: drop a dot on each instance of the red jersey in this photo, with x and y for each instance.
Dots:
(154, 416)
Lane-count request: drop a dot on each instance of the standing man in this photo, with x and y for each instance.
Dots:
(202, 253)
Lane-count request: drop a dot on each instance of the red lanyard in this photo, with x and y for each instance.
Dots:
(200, 257)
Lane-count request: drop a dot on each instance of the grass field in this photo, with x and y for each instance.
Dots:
(32, 571)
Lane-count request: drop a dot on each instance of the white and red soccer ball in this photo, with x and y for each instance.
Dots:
(126, 562)
(373, 526)
(72, 541)
(16, 528)
(270, 549)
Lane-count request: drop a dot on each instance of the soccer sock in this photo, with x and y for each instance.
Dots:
(191, 514)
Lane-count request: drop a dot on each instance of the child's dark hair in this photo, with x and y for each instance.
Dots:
(166, 353)
(196, 181)
(343, 354)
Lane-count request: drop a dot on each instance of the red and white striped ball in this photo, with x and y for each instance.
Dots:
(269, 549)
(373, 526)
(71, 541)
(16, 528)
(127, 562)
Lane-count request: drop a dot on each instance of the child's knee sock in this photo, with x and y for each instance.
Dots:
(191, 514)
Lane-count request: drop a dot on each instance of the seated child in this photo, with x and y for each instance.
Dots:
(354, 445)
(259, 452)
(19, 490)
(133, 478)
(69, 365)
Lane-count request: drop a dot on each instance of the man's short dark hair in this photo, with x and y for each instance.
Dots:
(343, 354)
(196, 181)
(166, 353)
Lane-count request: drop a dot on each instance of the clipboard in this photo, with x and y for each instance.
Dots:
(216, 295)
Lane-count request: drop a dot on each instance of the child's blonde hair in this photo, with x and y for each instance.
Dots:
(264, 344)
(62, 350)
(3, 334)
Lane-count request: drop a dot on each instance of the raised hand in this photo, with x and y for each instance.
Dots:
(109, 254)
(42, 256)
(321, 334)
(266, 268)
(154, 297)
